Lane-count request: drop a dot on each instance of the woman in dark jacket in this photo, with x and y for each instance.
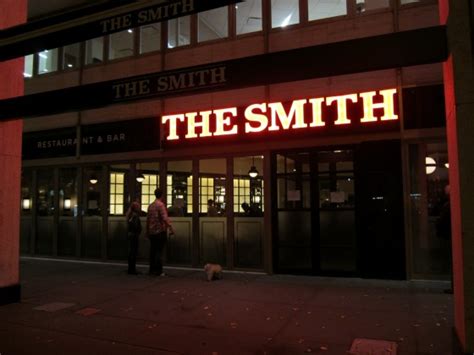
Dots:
(134, 229)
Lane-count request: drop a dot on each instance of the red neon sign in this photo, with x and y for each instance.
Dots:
(274, 116)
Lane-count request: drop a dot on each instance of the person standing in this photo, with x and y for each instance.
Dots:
(157, 224)
(134, 227)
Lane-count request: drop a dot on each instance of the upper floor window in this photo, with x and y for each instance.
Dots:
(285, 13)
(48, 61)
(150, 38)
(28, 70)
(179, 32)
(94, 50)
(213, 24)
(318, 9)
(121, 44)
(367, 5)
(71, 55)
(248, 16)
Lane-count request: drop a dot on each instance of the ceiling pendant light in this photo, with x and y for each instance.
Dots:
(253, 172)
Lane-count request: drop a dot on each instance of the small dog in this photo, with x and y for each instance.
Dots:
(213, 271)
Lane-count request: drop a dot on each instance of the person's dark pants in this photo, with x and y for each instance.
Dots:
(157, 245)
(132, 253)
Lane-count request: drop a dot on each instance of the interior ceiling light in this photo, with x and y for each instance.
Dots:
(253, 172)
(140, 178)
(430, 165)
(93, 179)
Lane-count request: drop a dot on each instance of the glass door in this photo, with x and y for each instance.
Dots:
(315, 212)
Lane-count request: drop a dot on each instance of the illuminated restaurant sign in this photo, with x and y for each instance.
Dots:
(358, 109)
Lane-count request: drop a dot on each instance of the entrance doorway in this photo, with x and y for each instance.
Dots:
(339, 211)
(316, 212)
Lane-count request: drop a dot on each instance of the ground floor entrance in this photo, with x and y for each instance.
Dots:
(339, 211)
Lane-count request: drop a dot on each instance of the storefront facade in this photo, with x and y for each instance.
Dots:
(350, 170)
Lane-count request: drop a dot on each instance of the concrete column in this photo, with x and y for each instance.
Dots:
(459, 95)
(12, 12)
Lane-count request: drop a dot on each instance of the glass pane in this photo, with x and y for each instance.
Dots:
(213, 24)
(320, 9)
(403, 2)
(26, 193)
(212, 188)
(179, 33)
(28, 70)
(48, 61)
(68, 201)
(248, 189)
(71, 55)
(285, 12)
(45, 193)
(179, 191)
(150, 38)
(367, 5)
(121, 44)
(92, 191)
(248, 16)
(94, 50)
(429, 208)
(145, 190)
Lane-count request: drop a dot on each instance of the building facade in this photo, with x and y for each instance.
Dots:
(339, 175)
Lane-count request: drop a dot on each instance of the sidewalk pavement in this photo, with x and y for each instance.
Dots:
(81, 308)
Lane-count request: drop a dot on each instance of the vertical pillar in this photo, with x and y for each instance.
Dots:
(12, 12)
(459, 95)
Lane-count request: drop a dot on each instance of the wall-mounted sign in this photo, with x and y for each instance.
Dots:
(311, 114)
(106, 138)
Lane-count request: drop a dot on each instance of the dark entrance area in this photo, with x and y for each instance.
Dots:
(338, 211)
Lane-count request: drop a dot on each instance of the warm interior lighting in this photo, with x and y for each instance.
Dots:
(430, 165)
(130, 30)
(253, 172)
(26, 204)
(140, 178)
(67, 203)
(446, 165)
(93, 179)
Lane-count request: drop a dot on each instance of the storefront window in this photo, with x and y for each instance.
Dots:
(28, 70)
(318, 10)
(94, 51)
(68, 211)
(367, 5)
(117, 193)
(429, 210)
(26, 206)
(213, 24)
(293, 181)
(248, 190)
(45, 211)
(248, 16)
(285, 13)
(93, 189)
(121, 44)
(71, 55)
(149, 174)
(150, 38)
(179, 32)
(48, 61)
(179, 197)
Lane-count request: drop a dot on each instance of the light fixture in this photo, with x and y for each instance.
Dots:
(26, 203)
(253, 172)
(446, 165)
(93, 179)
(430, 165)
(67, 203)
(140, 177)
